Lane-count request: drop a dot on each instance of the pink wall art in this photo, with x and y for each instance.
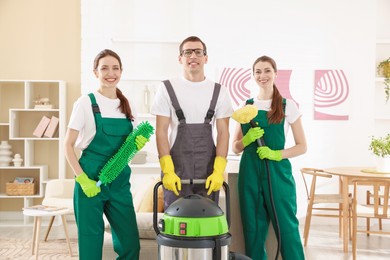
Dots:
(236, 80)
(330, 92)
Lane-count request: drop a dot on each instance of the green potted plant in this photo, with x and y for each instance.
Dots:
(380, 146)
(383, 69)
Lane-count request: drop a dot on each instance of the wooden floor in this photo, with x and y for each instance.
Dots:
(324, 243)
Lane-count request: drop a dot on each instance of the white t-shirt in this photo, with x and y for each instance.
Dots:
(292, 112)
(194, 99)
(82, 118)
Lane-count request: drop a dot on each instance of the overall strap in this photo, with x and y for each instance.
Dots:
(249, 102)
(175, 102)
(95, 109)
(213, 103)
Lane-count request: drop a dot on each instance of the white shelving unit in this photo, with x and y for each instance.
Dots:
(382, 109)
(43, 158)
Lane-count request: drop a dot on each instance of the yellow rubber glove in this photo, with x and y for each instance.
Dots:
(170, 179)
(140, 141)
(265, 152)
(216, 178)
(87, 185)
(252, 135)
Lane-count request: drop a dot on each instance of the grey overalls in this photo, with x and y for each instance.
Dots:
(254, 195)
(193, 152)
(114, 200)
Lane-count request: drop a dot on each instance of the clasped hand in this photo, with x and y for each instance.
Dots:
(252, 135)
(140, 141)
(170, 180)
(215, 180)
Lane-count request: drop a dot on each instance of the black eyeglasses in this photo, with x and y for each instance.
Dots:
(188, 52)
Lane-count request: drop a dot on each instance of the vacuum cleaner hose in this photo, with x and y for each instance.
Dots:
(260, 142)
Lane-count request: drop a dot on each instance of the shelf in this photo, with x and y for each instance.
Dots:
(5, 196)
(43, 158)
(382, 109)
(383, 41)
(9, 173)
(382, 118)
(380, 79)
(145, 166)
(144, 41)
(233, 157)
(22, 167)
(24, 121)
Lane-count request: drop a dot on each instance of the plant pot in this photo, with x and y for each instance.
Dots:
(385, 70)
(383, 164)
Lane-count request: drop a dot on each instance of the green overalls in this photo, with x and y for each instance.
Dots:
(254, 195)
(114, 200)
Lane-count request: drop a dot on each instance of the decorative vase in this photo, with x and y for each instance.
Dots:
(383, 164)
(17, 160)
(5, 153)
(386, 70)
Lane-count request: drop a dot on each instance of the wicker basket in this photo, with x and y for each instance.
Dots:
(20, 189)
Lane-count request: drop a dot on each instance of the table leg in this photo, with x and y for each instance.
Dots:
(38, 228)
(66, 233)
(345, 213)
(49, 227)
(34, 235)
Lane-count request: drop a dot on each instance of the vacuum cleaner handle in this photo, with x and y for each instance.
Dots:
(188, 181)
(155, 199)
(260, 141)
(193, 181)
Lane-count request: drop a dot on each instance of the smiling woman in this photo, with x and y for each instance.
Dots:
(99, 125)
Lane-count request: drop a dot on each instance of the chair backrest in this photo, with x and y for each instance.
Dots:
(379, 209)
(314, 174)
(59, 192)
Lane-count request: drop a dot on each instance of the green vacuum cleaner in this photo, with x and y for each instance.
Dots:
(194, 227)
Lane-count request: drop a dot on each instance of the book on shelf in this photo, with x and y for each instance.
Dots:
(52, 128)
(41, 127)
(44, 208)
(23, 180)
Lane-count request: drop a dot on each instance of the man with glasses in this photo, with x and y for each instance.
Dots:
(189, 109)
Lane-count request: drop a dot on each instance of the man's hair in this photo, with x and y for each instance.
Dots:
(192, 39)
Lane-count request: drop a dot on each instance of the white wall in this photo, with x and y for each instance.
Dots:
(301, 35)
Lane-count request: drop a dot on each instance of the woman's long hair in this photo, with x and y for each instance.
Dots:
(276, 114)
(124, 105)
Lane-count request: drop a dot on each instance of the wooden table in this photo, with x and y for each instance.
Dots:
(347, 174)
(38, 214)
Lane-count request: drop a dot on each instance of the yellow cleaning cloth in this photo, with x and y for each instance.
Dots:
(245, 114)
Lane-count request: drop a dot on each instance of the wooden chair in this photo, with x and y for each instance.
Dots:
(379, 209)
(369, 200)
(314, 198)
